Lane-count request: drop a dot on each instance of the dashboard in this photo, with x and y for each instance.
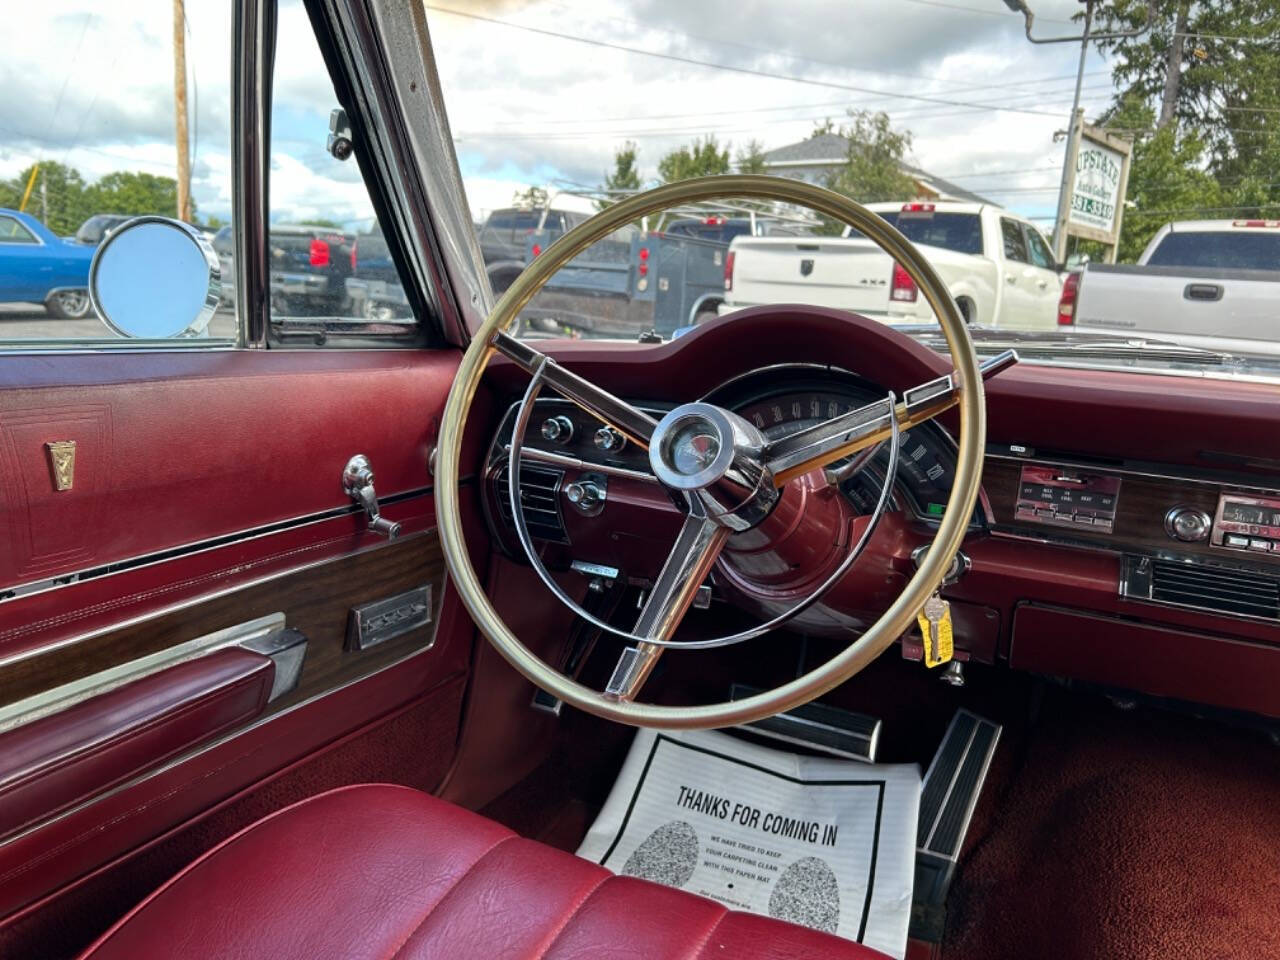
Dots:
(1128, 533)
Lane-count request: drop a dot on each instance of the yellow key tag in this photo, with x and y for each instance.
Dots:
(935, 630)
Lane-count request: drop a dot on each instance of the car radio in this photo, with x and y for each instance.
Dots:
(1067, 497)
(1247, 523)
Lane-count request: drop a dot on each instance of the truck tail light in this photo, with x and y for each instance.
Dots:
(354, 261)
(1067, 302)
(902, 287)
(915, 207)
(728, 270)
(715, 221)
(537, 249)
(1255, 223)
(319, 253)
(643, 269)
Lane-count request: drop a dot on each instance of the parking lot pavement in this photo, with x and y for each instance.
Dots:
(20, 321)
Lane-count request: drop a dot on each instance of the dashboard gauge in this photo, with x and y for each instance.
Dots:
(786, 405)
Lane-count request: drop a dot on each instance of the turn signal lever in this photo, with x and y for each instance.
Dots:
(357, 481)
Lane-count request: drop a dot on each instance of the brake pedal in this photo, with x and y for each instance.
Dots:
(840, 733)
(947, 801)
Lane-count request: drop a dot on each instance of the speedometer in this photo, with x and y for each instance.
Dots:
(780, 406)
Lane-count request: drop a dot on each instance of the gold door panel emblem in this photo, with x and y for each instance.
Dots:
(62, 462)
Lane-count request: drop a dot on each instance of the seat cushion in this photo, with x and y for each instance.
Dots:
(381, 871)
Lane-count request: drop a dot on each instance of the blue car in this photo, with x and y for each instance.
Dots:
(37, 266)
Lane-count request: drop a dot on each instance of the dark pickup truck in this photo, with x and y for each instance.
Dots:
(309, 270)
(633, 281)
(374, 287)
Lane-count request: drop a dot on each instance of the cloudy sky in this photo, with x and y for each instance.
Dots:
(544, 91)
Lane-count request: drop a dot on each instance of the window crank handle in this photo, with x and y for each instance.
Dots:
(357, 483)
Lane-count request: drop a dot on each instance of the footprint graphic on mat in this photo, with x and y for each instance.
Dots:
(668, 855)
(807, 894)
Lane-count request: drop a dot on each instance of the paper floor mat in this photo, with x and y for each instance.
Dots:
(829, 844)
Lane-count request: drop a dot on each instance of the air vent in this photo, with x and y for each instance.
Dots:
(1203, 587)
(540, 496)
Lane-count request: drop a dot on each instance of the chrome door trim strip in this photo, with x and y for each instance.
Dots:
(193, 754)
(21, 590)
(191, 602)
(253, 37)
(59, 698)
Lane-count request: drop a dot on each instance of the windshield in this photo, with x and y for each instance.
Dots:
(1023, 170)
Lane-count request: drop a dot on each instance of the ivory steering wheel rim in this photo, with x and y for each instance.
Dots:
(901, 612)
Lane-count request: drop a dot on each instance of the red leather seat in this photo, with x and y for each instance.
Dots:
(384, 871)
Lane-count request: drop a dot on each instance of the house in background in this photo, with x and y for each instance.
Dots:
(815, 159)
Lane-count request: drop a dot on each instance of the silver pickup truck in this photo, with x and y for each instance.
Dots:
(1205, 283)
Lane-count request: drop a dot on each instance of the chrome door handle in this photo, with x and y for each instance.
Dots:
(1042, 284)
(1010, 278)
(357, 483)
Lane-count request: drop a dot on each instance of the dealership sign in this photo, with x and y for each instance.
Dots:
(1092, 204)
(1095, 192)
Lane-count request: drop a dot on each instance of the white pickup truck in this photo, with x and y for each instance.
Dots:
(997, 266)
(1205, 283)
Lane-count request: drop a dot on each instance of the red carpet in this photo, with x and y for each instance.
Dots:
(1138, 835)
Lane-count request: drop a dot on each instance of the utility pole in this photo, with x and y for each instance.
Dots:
(1076, 123)
(1173, 67)
(180, 109)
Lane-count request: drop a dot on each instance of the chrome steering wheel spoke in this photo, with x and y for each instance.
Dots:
(696, 548)
(637, 425)
(867, 426)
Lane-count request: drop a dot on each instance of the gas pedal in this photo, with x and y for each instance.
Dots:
(947, 801)
(840, 733)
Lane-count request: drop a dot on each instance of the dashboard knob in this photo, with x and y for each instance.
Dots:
(609, 440)
(557, 429)
(585, 495)
(1187, 524)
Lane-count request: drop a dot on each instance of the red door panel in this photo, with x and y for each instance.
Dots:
(206, 493)
(176, 448)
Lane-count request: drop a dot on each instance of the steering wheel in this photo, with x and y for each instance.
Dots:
(724, 470)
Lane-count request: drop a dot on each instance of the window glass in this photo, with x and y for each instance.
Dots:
(961, 232)
(11, 231)
(91, 140)
(1245, 250)
(1015, 247)
(331, 270)
(1039, 250)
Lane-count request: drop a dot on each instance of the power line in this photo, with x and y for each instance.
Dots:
(745, 71)
(631, 118)
(586, 131)
(979, 10)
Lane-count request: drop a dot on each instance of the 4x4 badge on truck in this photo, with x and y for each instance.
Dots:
(806, 267)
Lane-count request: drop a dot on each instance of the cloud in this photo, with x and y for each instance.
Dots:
(92, 84)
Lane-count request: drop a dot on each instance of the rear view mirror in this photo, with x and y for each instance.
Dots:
(154, 278)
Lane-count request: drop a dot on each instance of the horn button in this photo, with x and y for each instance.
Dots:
(717, 456)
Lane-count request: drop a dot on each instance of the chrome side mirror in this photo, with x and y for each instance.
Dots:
(154, 278)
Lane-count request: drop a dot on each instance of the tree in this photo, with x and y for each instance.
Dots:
(1200, 95)
(1166, 174)
(750, 159)
(58, 196)
(321, 222)
(703, 158)
(1210, 66)
(874, 168)
(531, 198)
(135, 193)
